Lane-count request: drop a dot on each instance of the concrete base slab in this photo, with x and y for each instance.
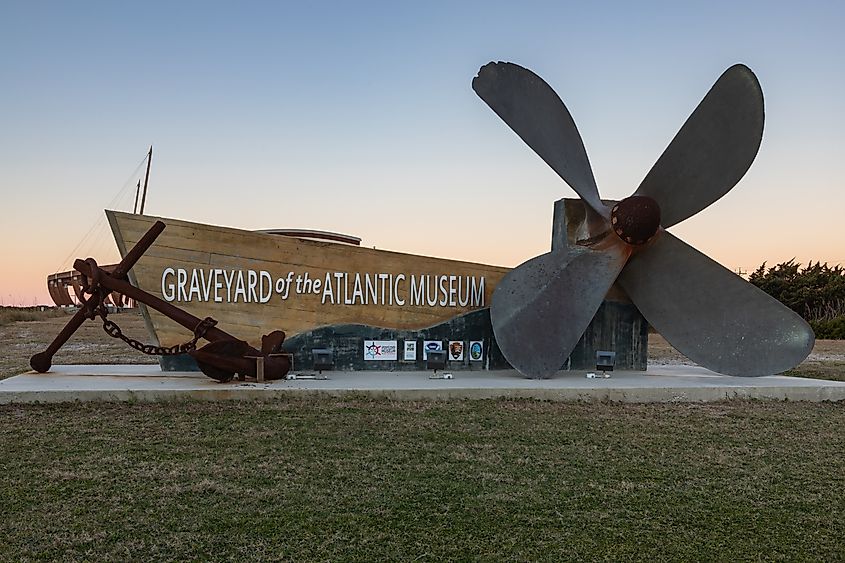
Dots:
(675, 383)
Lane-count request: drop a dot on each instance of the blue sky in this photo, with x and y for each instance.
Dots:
(360, 118)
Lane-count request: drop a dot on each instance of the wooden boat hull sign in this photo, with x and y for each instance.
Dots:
(254, 283)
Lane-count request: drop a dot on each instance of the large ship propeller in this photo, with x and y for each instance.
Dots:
(541, 309)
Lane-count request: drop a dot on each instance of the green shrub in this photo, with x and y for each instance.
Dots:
(816, 292)
(833, 329)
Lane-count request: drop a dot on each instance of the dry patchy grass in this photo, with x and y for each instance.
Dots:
(10, 315)
(19, 340)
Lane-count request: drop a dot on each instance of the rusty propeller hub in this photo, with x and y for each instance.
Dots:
(635, 219)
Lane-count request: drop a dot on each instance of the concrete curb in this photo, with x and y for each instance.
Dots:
(675, 384)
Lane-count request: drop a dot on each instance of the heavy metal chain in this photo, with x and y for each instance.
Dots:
(97, 306)
(202, 327)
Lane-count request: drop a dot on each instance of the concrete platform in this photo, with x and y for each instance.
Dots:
(659, 384)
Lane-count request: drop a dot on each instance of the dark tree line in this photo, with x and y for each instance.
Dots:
(816, 292)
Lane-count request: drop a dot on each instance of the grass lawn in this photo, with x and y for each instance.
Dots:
(375, 480)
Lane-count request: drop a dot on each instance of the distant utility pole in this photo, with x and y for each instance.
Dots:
(741, 273)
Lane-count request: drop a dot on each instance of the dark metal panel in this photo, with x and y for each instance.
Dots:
(711, 315)
(533, 110)
(542, 307)
(713, 149)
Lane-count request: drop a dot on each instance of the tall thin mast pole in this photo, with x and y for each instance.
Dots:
(146, 179)
(137, 193)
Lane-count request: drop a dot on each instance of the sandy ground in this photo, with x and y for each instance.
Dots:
(661, 352)
(90, 345)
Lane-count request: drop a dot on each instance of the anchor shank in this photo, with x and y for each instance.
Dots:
(138, 250)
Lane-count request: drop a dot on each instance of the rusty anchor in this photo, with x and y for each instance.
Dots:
(222, 358)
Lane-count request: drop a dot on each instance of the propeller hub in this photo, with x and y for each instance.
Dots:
(635, 219)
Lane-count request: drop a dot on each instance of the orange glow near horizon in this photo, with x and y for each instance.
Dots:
(742, 248)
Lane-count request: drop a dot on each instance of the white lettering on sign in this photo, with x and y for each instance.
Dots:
(168, 288)
(335, 288)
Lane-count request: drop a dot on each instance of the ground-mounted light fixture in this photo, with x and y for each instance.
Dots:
(605, 361)
(437, 360)
(323, 359)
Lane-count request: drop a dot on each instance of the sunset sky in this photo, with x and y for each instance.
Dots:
(360, 118)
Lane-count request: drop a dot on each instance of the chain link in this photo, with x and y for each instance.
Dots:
(96, 305)
(114, 331)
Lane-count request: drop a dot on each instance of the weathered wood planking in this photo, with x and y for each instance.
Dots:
(205, 247)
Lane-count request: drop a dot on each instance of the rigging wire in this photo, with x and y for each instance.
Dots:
(98, 226)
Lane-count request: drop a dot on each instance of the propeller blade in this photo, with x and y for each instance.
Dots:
(711, 315)
(541, 308)
(535, 112)
(712, 151)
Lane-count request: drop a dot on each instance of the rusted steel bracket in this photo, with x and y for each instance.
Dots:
(221, 359)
